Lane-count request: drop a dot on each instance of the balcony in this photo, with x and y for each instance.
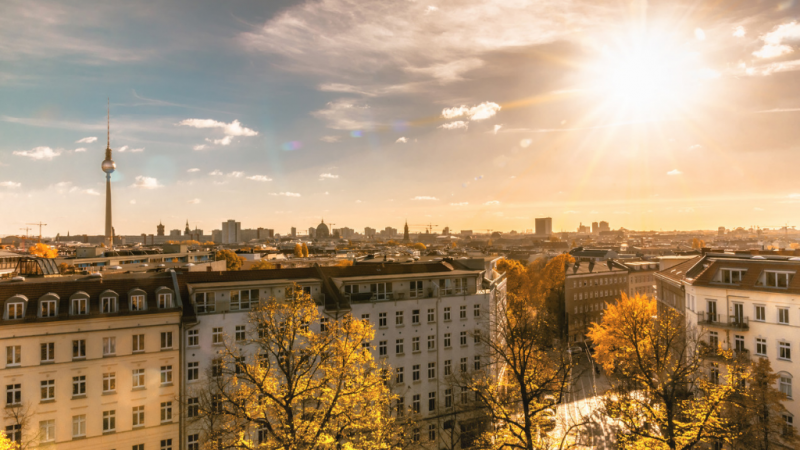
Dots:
(723, 321)
(714, 354)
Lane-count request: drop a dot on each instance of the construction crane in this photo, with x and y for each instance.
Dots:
(27, 229)
(778, 227)
(40, 224)
(427, 226)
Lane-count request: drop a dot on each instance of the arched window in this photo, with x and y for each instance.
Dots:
(165, 297)
(79, 304)
(15, 307)
(109, 302)
(137, 300)
(785, 383)
(48, 305)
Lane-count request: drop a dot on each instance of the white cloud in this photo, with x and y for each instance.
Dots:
(674, 172)
(481, 112)
(10, 184)
(424, 197)
(454, 125)
(330, 139)
(224, 141)
(699, 34)
(401, 140)
(123, 149)
(286, 194)
(229, 129)
(774, 45)
(358, 201)
(132, 202)
(497, 128)
(525, 143)
(199, 147)
(86, 140)
(79, 150)
(459, 204)
(39, 153)
(492, 202)
(739, 31)
(144, 182)
(328, 176)
(137, 150)
(194, 201)
(695, 147)
(90, 192)
(259, 178)
(194, 169)
(236, 174)
(571, 212)
(215, 173)
(447, 72)
(345, 114)
(431, 9)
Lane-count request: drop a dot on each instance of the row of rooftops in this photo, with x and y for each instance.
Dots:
(178, 283)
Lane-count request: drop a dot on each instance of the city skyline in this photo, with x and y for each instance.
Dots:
(651, 120)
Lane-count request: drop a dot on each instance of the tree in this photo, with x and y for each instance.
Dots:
(298, 251)
(191, 242)
(6, 443)
(43, 251)
(418, 246)
(232, 260)
(758, 414)
(209, 243)
(263, 265)
(668, 392)
(290, 387)
(305, 250)
(698, 243)
(344, 263)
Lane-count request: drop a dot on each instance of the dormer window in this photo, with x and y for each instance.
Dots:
(48, 308)
(775, 279)
(15, 310)
(79, 306)
(108, 305)
(165, 300)
(732, 276)
(138, 303)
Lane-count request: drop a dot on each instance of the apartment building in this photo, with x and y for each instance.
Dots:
(588, 289)
(92, 363)
(641, 278)
(427, 317)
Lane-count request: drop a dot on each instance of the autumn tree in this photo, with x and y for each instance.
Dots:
(305, 250)
(6, 443)
(667, 392)
(294, 383)
(418, 246)
(298, 251)
(191, 242)
(758, 414)
(232, 260)
(43, 251)
(263, 265)
(698, 243)
(344, 263)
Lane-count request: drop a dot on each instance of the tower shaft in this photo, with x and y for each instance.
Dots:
(108, 207)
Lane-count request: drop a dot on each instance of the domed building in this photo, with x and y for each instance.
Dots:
(322, 231)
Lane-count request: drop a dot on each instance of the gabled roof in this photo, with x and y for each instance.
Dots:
(677, 273)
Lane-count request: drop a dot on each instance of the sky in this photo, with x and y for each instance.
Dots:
(471, 114)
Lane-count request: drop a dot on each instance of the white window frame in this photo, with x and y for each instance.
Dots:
(18, 310)
(238, 301)
(166, 375)
(109, 346)
(47, 430)
(217, 336)
(205, 302)
(137, 345)
(79, 306)
(108, 305)
(47, 390)
(110, 421)
(166, 412)
(166, 340)
(79, 426)
(138, 302)
(109, 382)
(138, 379)
(165, 300)
(13, 355)
(49, 306)
(138, 416)
(192, 338)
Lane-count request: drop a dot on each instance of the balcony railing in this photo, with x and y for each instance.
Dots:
(724, 321)
(710, 352)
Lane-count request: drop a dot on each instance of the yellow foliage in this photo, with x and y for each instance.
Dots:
(6, 443)
(232, 260)
(43, 251)
(418, 246)
(305, 250)
(344, 263)
(298, 251)
(263, 265)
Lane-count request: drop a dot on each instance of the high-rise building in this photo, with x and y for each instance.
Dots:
(311, 232)
(604, 226)
(186, 230)
(369, 232)
(595, 227)
(230, 231)
(108, 166)
(544, 226)
(405, 233)
(721, 231)
(294, 232)
(160, 229)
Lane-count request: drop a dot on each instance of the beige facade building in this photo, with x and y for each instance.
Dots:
(588, 289)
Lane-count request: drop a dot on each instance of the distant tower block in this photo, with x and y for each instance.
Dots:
(160, 228)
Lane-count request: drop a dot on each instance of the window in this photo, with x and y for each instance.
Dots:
(193, 338)
(138, 416)
(48, 308)
(80, 306)
(477, 360)
(109, 346)
(447, 340)
(761, 347)
(398, 348)
(783, 315)
(166, 374)
(350, 289)
(788, 425)
(166, 412)
(463, 338)
(79, 426)
(164, 300)
(166, 444)
(432, 432)
(476, 311)
(137, 303)
(431, 342)
(431, 370)
(193, 442)
(462, 311)
(138, 378)
(108, 305)
(401, 406)
(241, 300)
(216, 368)
(784, 350)
(166, 340)
(79, 385)
(239, 365)
(240, 333)
(415, 344)
(109, 382)
(415, 372)
(448, 398)
(398, 318)
(713, 339)
(731, 276)
(786, 384)
(432, 401)
(47, 430)
(192, 407)
(431, 315)
(777, 279)
(323, 325)
(415, 289)
(464, 397)
(216, 336)
(415, 317)
(216, 404)
(761, 313)
(48, 390)
(109, 421)
(13, 355)
(463, 365)
(205, 302)
(138, 447)
(415, 404)
(48, 352)
(382, 348)
(193, 371)
(381, 291)
(13, 394)
(138, 343)
(398, 375)
(382, 319)
(477, 336)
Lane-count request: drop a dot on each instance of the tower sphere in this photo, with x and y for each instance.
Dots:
(109, 166)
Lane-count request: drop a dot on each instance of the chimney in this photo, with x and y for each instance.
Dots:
(591, 266)
(609, 264)
(576, 266)
(705, 250)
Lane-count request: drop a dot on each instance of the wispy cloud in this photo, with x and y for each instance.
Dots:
(259, 178)
(401, 140)
(328, 176)
(674, 172)
(137, 150)
(454, 125)
(143, 182)
(230, 129)
(199, 147)
(424, 197)
(39, 153)
(286, 194)
(86, 140)
(193, 169)
(236, 174)
(459, 204)
(481, 112)
(345, 114)
(123, 149)
(194, 201)
(10, 184)
(80, 150)
(571, 212)
(330, 139)
(492, 202)
(774, 41)
(497, 128)
(215, 173)
(90, 192)
(739, 31)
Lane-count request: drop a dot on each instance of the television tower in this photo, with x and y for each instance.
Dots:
(108, 167)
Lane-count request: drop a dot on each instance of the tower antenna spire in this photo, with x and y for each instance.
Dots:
(108, 118)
